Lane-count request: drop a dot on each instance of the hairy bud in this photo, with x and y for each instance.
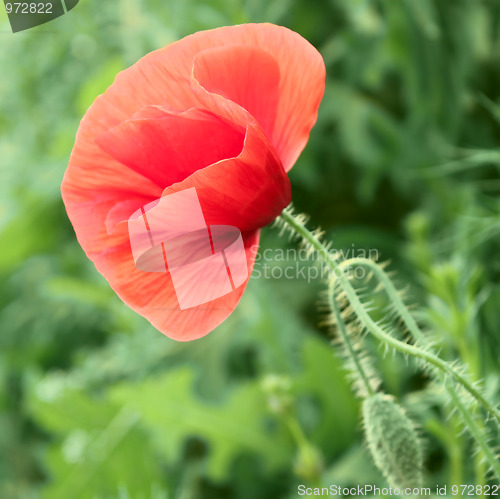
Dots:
(393, 441)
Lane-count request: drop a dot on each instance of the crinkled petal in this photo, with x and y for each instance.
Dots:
(246, 192)
(169, 147)
(225, 112)
(153, 295)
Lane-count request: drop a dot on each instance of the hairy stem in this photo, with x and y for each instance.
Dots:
(475, 430)
(298, 227)
(418, 335)
(356, 361)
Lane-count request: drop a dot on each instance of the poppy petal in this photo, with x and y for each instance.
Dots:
(245, 192)
(153, 295)
(284, 96)
(253, 81)
(169, 148)
(164, 77)
(238, 149)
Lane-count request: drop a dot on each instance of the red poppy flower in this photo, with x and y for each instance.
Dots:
(222, 113)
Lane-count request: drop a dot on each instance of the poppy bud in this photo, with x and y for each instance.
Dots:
(393, 441)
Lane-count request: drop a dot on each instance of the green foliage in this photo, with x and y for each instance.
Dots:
(94, 432)
(99, 447)
(234, 427)
(120, 439)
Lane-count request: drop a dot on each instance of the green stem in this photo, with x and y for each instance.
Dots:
(446, 433)
(356, 362)
(308, 462)
(476, 432)
(419, 337)
(337, 271)
(417, 334)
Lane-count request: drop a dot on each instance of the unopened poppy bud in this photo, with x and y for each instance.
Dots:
(393, 441)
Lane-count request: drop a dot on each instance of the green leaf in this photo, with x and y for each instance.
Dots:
(99, 447)
(324, 379)
(172, 412)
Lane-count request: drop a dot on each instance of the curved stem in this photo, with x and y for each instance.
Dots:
(445, 369)
(391, 291)
(348, 344)
(418, 335)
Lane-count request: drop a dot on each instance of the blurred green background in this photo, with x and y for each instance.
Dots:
(95, 403)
